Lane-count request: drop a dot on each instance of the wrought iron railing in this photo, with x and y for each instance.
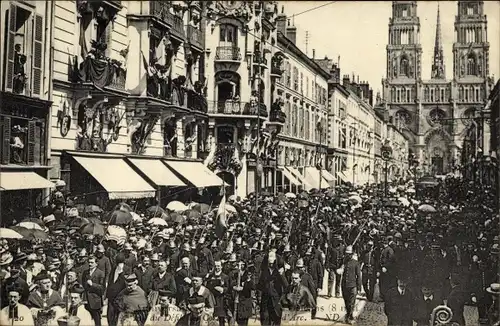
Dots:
(195, 36)
(177, 24)
(231, 53)
(231, 107)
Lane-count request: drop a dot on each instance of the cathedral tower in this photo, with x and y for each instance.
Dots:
(404, 49)
(438, 68)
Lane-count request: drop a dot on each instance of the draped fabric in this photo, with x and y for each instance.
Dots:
(99, 72)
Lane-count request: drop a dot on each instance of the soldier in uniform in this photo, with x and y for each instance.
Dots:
(351, 283)
(308, 281)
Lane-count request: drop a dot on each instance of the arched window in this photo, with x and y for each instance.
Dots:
(471, 64)
(228, 35)
(307, 122)
(478, 99)
(437, 94)
(405, 66)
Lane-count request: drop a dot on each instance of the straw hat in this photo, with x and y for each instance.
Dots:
(6, 258)
(494, 289)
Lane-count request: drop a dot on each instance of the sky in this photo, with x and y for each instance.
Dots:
(357, 31)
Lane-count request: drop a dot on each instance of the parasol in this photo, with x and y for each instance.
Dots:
(355, 199)
(202, 208)
(155, 211)
(116, 233)
(158, 221)
(34, 220)
(410, 190)
(93, 209)
(290, 195)
(176, 206)
(426, 208)
(192, 214)
(30, 234)
(9, 234)
(30, 226)
(78, 222)
(120, 218)
(92, 228)
(135, 217)
(124, 207)
(404, 201)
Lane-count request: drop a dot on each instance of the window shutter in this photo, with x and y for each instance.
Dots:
(9, 82)
(37, 56)
(31, 142)
(6, 140)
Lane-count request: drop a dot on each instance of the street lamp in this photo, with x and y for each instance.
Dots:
(386, 152)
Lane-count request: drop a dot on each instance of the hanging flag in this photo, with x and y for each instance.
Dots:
(83, 43)
(220, 218)
(144, 61)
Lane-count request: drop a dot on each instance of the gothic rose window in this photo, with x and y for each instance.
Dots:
(435, 117)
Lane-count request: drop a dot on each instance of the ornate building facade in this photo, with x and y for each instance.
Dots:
(129, 98)
(244, 115)
(302, 92)
(25, 107)
(434, 113)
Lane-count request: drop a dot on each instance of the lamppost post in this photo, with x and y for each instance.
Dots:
(386, 152)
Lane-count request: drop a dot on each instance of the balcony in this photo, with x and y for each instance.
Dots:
(196, 101)
(234, 108)
(100, 70)
(228, 53)
(277, 116)
(195, 37)
(225, 159)
(177, 25)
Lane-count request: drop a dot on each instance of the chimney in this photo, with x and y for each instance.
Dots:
(346, 81)
(291, 33)
(281, 21)
(314, 53)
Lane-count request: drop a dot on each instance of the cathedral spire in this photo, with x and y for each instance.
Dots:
(438, 63)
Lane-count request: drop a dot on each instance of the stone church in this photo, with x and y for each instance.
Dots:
(434, 113)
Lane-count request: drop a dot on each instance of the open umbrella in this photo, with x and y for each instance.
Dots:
(123, 207)
(116, 233)
(93, 228)
(9, 234)
(202, 208)
(30, 234)
(290, 195)
(355, 199)
(78, 222)
(92, 209)
(120, 218)
(426, 208)
(230, 208)
(30, 226)
(135, 217)
(410, 190)
(191, 213)
(158, 221)
(176, 206)
(34, 220)
(404, 201)
(155, 211)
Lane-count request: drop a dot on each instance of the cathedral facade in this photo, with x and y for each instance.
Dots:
(434, 113)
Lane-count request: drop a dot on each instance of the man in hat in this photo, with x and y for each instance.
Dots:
(94, 284)
(456, 300)
(197, 315)
(103, 262)
(272, 284)
(132, 303)
(205, 258)
(20, 262)
(298, 296)
(130, 258)
(116, 284)
(218, 284)
(155, 260)
(425, 302)
(186, 252)
(76, 306)
(164, 313)
(44, 302)
(15, 314)
(399, 304)
(81, 264)
(162, 279)
(368, 269)
(14, 281)
(494, 310)
(334, 261)
(351, 283)
(387, 267)
(68, 283)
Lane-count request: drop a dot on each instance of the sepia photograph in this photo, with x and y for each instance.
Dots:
(249, 163)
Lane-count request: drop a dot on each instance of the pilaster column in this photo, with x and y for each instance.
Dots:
(180, 137)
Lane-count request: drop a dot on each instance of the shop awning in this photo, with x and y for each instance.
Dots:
(116, 177)
(20, 180)
(343, 177)
(314, 176)
(196, 173)
(289, 176)
(157, 172)
(328, 176)
(296, 173)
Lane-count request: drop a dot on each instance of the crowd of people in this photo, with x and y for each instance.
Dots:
(199, 264)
